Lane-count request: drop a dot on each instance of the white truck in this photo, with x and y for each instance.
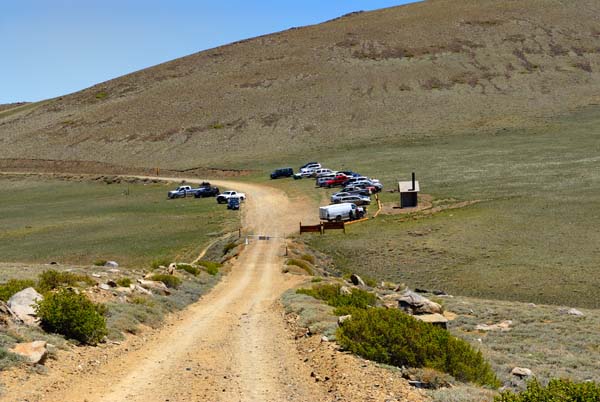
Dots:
(226, 195)
(181, 191)
(341, 212)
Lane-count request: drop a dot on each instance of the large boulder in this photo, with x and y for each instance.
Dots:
(414, 303)
(357, 280)
(521, 372)
(32, 352)
(111, 264)
(23, 305)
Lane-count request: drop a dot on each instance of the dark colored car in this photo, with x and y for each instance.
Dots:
(282, 172)
(207, 191)
(233, 203)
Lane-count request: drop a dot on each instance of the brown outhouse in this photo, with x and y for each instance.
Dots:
(409, 192)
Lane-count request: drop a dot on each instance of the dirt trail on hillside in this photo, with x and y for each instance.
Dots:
(232, 345)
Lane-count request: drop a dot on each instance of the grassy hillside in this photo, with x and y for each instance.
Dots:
(82, 222)
(533, 236)
(435, 69)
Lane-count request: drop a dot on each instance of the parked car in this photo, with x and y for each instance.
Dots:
(338, 180)
(310, 168)
(341, 212)
(322, 172)
(376, 185)
(302, 175)
(181, 191)
(282, 172)
(357, 190)
(225, 196)
(320, 182)
(349, 173)
(206, 190)
(233, 203)
(309, 164)
(354, 199)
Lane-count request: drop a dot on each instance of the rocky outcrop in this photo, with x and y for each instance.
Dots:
(357, 280)
(154, 286)
(413, 303)
(23, 305)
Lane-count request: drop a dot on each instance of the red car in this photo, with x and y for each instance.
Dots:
(338, 180)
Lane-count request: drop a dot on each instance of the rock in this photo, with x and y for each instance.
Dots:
(114, 270)
(7, 316)
(345, 290)
(104, 286)
(356, 280)
(414, 303)
(33, 352)
(502, 326)
(343, 318)
(521, 372)
(23, 305)
(324, 339)
(140, 289)
(111, 283)
(172, 268)
(111, 264)
(436, 319)
(121, 289)
(575, 312)
(155, 285)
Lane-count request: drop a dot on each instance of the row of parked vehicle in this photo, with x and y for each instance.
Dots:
(349, 202)
(231, 198)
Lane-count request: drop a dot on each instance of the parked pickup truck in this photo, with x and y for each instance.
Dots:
(207, 191)
(225, 196)
(341, 212)
(181, 191)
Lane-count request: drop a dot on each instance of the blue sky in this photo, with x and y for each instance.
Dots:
(54, 47)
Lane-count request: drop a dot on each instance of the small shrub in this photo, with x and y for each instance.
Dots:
(228, 247)
(51, 279)
(124, 282)
(13, 286)
(392, 337)
(101, 95)
(562, 390)
(160, 262)
(189, 268)
(309, 258)
(371, 282)
(316, 279)
(170, 280)
(331, 295)
(301, 264)
(99, 263)
(212, 268)
(74, 316)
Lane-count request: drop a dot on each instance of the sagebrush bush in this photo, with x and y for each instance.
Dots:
(212, 268)
(170, 280)
(99, 263)
(316, 279)
(308, 257)
(301, 264)
(73, 315)
(13, 286)
(358, 298)
(124, 282)
(557, 390)
(392, 337)
(51, 279)
(189, 268)
(160, 262)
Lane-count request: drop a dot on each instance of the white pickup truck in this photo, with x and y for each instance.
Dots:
(181, 191)
(226, 195)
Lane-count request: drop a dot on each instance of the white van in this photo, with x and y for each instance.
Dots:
(341, 212)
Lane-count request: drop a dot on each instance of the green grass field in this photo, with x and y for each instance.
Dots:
(534, 237)
(81, 222)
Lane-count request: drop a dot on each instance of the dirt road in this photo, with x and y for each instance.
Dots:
(232, 345)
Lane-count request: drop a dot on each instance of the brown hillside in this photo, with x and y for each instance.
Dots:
(427, 69)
